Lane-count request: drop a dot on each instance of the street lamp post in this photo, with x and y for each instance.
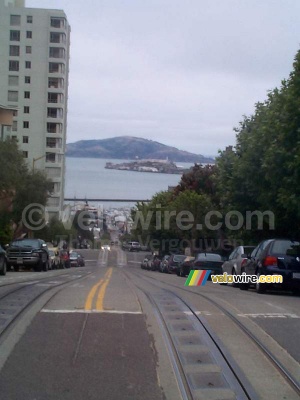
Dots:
(36, 159)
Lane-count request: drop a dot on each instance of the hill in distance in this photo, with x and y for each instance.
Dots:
(131, 148)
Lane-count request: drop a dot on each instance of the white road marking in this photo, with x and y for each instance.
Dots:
(270, 315)
(197, 313)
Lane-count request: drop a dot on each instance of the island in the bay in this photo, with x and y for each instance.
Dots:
(155, 166)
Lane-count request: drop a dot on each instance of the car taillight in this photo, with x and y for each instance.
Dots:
(270, 261)
(244, 262)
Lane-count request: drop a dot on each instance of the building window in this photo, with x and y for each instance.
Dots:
(13, 65)
(15, 20)
(27, 79)
(27, 64)
(26, 95)
(14, 51)
(14, 126)
(12, 95)
(25, 139)
(26, 109)
(15, 36)
(28, 49)
(25, 124)
(29, 19)
(15, 113)
(25, 154)
(57, 52)
(57, 22)
(51, 142)
(50, 157)
(55, 83)
(53, 127)
(14, 138)
(53, 97)
(28, 34)
(13, 80)
(55, 113)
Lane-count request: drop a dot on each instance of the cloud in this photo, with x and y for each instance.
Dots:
(182, 73)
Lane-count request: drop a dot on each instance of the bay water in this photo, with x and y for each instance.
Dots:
(88, 178)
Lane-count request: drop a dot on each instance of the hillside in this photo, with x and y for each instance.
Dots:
(130, 148)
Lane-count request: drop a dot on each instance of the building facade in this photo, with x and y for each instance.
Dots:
(34, 69)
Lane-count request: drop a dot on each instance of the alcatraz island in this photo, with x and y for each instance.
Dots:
(154, 166)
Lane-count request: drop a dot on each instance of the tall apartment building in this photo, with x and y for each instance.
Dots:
(34, 67)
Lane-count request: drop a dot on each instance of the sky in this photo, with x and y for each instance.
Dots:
(180, 72)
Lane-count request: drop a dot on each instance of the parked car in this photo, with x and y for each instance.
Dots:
(3, 265)
(236, 260)
(208, 261)
(134, 246)
(154, 262)
(76, 259)
(275, 257)
(28, 253)
(54, 258)
(163, 264)
(173, 263)
(144, 263)
(185, 266)
(64, 259)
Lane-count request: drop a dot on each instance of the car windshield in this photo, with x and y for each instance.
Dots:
(286, 247)
(26, 243)
(209, 257)
(179, 258)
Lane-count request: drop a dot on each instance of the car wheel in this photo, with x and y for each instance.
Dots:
(45, 266)
(2, 266)
(260, 287)
(233, 283)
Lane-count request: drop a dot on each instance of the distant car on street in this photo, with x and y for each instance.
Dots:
(164, 263)
(173, 263)
(236, 260)
(185, 266)
(134, 246)
(208, 261)
(76, 259)
(54, 258)
(64, 259)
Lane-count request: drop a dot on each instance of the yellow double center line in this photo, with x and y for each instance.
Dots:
(101, 288)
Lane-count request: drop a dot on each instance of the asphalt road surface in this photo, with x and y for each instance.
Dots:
(100, 332)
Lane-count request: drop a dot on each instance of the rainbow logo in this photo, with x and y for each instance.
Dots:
(197, 277)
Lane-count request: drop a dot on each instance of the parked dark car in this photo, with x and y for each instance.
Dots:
(185, 266)
(76, 259)
(164, 263)
(237, 259)
(275, 257)
(208, 261)
(3, 265)
(28, 253)
(173, 263)
(154, 262)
